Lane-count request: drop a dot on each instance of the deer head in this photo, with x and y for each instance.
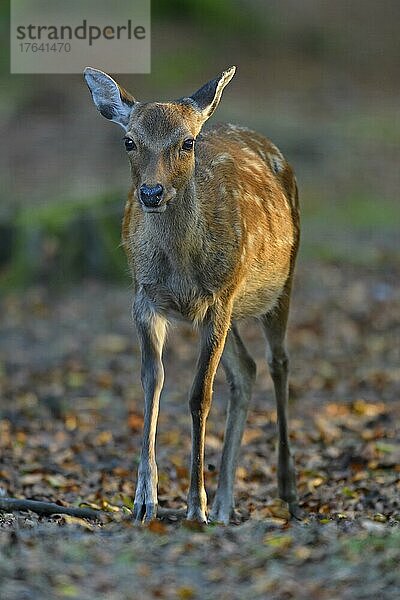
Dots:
(159, 136)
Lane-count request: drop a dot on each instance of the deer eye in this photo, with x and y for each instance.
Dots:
(129, 144)
(188, 144)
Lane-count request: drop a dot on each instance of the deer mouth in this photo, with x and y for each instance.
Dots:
(154, 209)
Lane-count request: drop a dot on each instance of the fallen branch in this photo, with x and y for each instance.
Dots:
(47, 508)
(51, 508)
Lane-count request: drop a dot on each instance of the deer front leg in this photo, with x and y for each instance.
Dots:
(212, 340)
(151, 330)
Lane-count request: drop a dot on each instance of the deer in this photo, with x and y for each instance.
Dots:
(211, 231)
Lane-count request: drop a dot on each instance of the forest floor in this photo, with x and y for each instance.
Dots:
(70, 431)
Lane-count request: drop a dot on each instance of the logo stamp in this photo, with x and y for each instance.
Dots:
(55, 36)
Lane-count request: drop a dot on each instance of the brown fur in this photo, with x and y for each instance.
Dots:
(251, 210)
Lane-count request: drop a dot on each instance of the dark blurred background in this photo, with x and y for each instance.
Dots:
(320, 78)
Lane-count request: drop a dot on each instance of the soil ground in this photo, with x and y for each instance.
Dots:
(71, 417)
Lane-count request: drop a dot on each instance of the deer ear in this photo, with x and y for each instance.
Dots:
(207, 98)
(110, 99)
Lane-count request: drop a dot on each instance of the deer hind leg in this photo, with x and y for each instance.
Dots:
(275, 324)
(240, 371)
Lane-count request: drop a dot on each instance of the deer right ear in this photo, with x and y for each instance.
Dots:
(207, 98)
(113, 102)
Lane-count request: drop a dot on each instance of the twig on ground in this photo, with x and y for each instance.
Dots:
(51, 508)
(47, 508)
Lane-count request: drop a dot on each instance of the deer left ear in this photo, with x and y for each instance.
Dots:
(113, 102)
(207, 98)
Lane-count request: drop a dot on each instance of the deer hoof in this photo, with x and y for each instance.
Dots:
(144, 512)
(196, 514)
(222, 518)
(221, 512)
(295, 511)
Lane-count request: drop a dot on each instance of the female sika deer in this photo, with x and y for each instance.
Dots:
(211, 231)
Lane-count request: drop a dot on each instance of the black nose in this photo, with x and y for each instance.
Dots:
(151, 195)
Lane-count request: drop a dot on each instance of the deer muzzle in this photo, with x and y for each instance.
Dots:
(155, 198)
(151, 196)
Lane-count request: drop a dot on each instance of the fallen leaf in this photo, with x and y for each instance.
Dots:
(185, 593)
(157, 526)
(135, 421)
(77, 521)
